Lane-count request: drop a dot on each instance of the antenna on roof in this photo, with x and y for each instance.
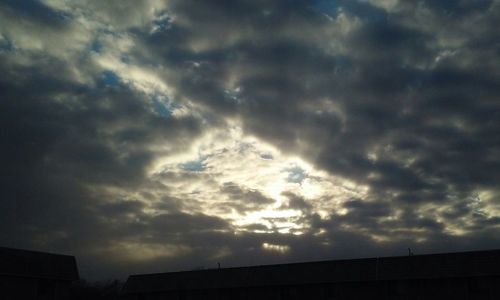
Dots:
(409, 252)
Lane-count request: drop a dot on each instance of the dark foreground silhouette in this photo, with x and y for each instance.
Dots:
(33, 275)
(36, 275)
(466, 275)
(106, 290)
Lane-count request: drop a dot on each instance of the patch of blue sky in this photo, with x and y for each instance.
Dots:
(197, 165)
(161, 108)
(164, 106)
(296, 174)
(162, 22)
(6, 45)
(234, 95)
(96, 46)
(110, 78)
(360, 8)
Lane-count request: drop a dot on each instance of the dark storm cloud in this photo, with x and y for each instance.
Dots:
(459, 8)
(61, 141)
(36, 11)
(243, 200)
(370, 217)
(185, 223)
(402, 101)
(296, 202)
(430, 120)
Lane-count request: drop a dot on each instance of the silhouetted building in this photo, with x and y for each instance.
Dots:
(35, 275)
(466, 275)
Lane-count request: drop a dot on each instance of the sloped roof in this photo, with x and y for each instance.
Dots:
(447, 265)
(25, 263)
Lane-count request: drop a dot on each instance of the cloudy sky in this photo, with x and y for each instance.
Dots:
(149, 136)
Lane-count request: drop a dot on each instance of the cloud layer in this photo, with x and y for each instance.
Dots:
(164, 135)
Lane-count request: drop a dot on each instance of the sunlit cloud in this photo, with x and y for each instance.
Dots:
(276, 248)
(230, 156)
(172, 134)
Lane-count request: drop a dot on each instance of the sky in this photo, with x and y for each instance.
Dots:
(154, 136)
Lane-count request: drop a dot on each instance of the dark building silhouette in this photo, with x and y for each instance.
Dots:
(466, 275)
(35, 275)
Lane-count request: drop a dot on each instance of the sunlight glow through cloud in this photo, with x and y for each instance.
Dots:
(277, 248)
(230, 156)
(244, 130)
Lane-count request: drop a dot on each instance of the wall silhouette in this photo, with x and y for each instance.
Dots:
(27, 275)
(466, 275)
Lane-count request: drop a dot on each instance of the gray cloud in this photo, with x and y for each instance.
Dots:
(399, 100)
